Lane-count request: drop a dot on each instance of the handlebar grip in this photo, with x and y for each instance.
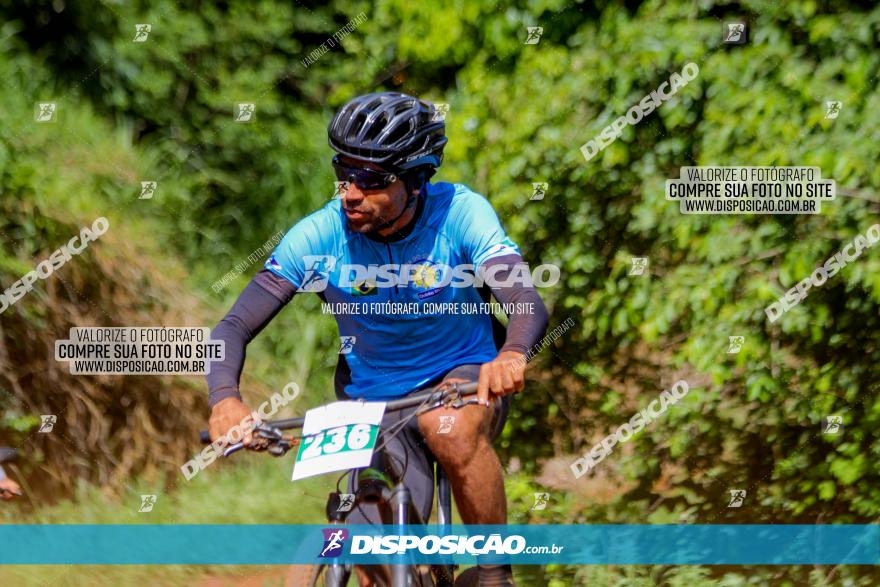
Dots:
(468, 388)
(204, 437)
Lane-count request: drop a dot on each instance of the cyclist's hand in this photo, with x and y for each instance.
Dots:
(504, 375)
(227, 413)
(9, 489)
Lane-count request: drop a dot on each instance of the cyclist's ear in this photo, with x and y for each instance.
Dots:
(414, 179)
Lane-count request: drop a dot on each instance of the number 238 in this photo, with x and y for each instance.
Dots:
(353, 437)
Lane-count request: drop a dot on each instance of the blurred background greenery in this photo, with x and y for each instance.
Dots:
(162, 110)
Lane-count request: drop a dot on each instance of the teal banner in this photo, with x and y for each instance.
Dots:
(517, 544)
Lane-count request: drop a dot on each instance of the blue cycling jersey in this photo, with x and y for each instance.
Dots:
(390, 339)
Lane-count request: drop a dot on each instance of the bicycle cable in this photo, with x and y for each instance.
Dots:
(397, 427)
(389, 435)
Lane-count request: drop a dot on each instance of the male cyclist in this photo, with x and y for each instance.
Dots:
(8, 488)
(388, 146)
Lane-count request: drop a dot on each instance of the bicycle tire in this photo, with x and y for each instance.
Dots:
(468, 578)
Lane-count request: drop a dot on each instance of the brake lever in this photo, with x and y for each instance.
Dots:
(455, 401)
(278, 445)
(233, 448)
(460, 403)
(258, 431)
(268, 432)
(280, 448)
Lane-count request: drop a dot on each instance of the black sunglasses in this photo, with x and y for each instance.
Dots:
(365, 179)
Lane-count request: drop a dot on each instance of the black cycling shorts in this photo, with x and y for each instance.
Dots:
(409, 452)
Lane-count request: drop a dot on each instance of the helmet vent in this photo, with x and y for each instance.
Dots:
(397, 134)
(376, 128)
(389, 129)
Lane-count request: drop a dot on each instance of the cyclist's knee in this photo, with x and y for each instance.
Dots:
(455, 436)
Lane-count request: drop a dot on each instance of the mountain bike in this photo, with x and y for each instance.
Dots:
(371, 486)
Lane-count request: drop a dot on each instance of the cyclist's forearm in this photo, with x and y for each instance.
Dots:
(527, 323)
(260, 301)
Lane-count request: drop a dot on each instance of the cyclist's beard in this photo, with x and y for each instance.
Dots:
(363, 224)
(372, 219)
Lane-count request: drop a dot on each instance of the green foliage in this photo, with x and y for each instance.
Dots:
(753, 418)
(519, 113)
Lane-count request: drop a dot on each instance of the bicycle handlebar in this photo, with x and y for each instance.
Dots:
(435, 396)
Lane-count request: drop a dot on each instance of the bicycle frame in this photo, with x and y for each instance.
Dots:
(398, 497)
(401, 506)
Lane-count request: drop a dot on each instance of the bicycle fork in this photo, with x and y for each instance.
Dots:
(337, 574)
(400, 500)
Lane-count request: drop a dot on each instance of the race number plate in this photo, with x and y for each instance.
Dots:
(337, 437)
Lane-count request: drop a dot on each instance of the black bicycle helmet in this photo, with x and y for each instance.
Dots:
(392, 130)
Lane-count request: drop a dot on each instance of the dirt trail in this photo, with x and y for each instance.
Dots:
(264, 577)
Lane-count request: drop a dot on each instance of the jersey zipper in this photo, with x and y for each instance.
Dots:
(391, 261)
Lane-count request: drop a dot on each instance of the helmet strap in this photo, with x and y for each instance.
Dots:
(411, 199)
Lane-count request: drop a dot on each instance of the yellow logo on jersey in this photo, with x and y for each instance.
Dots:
(425, 275)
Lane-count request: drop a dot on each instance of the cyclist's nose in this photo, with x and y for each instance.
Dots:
(352, 195)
